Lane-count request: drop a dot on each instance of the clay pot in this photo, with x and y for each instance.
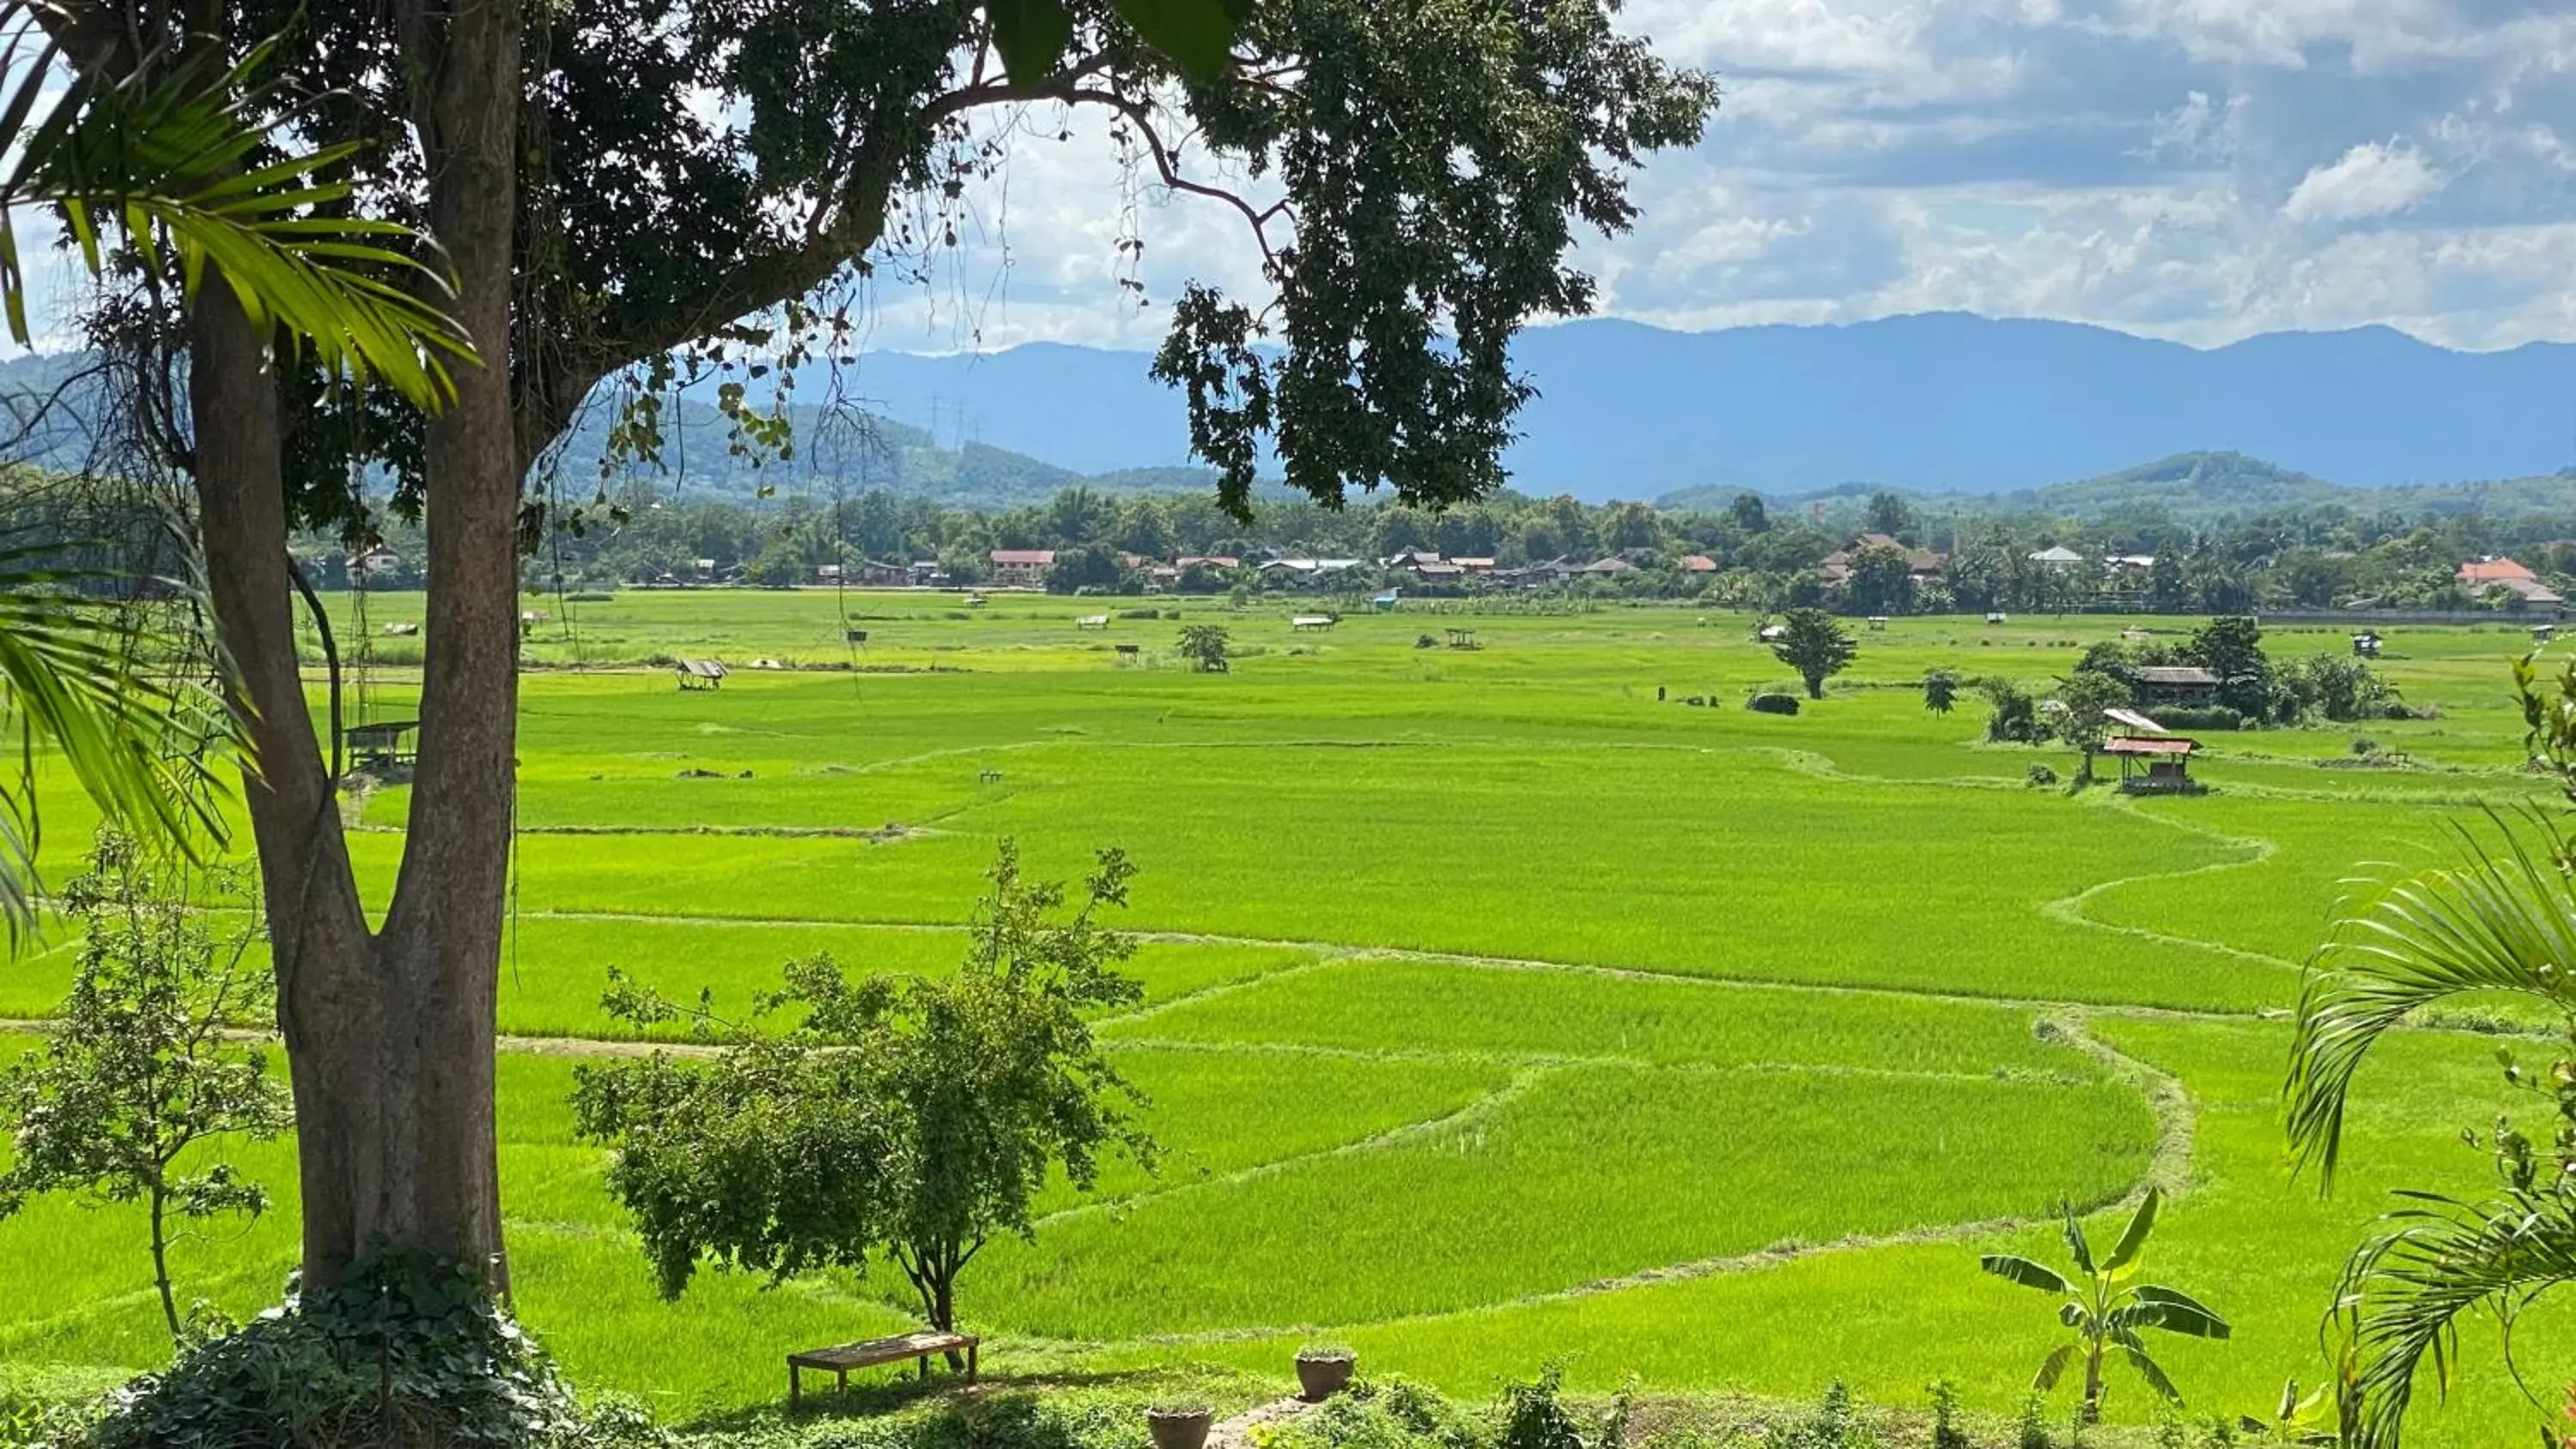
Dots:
(1179, 1430)
(1319, 1379)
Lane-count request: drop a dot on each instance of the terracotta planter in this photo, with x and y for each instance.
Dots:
(1179, 1431)
(1319, 1379)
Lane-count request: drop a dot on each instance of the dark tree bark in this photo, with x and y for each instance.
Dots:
(389, 1035)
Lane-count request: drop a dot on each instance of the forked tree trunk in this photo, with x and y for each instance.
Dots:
(389, 1035)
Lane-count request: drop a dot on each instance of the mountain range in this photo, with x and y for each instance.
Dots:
(1928, 404)
(1936, 402)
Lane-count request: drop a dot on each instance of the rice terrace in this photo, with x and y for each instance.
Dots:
(1498, 1005)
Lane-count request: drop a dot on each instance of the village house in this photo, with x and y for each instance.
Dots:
(2479, 575)
(1021, 566)
(2171, 684)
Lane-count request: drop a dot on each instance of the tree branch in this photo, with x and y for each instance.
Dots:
(1166, 161)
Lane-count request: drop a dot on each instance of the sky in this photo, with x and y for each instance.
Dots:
(2199, 170)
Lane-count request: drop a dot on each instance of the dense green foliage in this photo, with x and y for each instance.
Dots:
(139, 1082)
(1815, 646)
(903, 1118)
(410, 1354)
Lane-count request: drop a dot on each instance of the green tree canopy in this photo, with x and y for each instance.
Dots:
(1815, 646)
(901, 1119)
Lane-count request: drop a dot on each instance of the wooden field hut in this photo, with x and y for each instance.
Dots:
(700, 674)
(2154, 764)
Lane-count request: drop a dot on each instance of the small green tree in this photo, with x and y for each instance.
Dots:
(140, 1068)
(1204, 645)
(2106, 1310)
(899, 1118)
(2081, 720)
(1814, 645)
(2232, 649)
(1940, 691)
(2015, 716)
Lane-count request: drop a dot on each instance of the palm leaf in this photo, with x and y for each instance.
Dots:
(2499, 921)
(78, 683)
(2025, 1272)
(2404, 1292)
(2075, 1244)
(168, 161)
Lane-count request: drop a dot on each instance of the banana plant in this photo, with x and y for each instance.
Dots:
(2108, 1311)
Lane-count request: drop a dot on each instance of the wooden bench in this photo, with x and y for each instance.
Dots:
(876, 1351)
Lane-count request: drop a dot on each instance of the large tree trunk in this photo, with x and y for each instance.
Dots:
(389, 1036)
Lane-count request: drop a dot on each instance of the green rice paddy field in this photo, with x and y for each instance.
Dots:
(1496, 1010)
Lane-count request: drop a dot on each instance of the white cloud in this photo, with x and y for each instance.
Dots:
(2370, 180)
(2194, 169)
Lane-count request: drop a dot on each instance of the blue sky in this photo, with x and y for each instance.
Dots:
(2192, 169)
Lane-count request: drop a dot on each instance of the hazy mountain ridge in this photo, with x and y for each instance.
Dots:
(1933, 404)
(1940, 402)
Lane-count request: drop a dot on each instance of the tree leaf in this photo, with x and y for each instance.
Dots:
(2133, 1239)
(1031, 36)
(2179, 1312)
(2050, 1368)
(2025, 1272)
(1195, 35)
(2076, 1245)
(2149, 1370)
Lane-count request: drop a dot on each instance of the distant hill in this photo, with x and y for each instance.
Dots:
(859, 452)
(1939, 402)
(2198, 489)
(843, 451)
(1935, 402)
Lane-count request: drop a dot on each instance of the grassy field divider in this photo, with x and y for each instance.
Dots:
(1486, 1105)
(2069, 910)
(2168, 1170)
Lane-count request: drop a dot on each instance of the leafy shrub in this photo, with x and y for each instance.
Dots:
(591, 596)
(2030, 1427)
(1834, 1425)
(1535, 1417)
(1425, 641)
(1946, 1433)
(2204, 718)
(2015, 717)
(1773, 703)
(2041, 775)
(1145, 613)
(408, 1352)
(1391, 1414)
(2364, 745)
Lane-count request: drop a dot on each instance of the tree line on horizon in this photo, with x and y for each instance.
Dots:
(1757, 556)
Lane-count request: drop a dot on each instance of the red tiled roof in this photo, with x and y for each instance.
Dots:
(2493, 571)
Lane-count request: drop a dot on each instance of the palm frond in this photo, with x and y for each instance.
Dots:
(171, 162)
(2404, 1292)
(79, 682)
(2501, 920)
